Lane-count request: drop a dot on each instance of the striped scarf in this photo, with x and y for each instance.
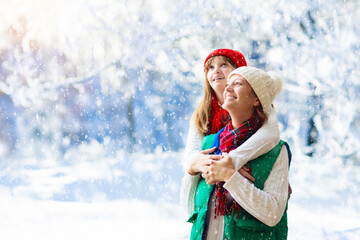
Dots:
(231, 138)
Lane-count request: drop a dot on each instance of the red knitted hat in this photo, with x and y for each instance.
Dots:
(236, 56)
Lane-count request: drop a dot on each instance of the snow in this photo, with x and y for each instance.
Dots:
(95, 99)
(119, 219)
(93, 198)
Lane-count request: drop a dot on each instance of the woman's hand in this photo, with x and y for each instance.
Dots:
(201, 160)
(219, 171)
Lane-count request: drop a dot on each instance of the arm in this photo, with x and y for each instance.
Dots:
(265, 139)
(266, 205)
(191, 178)
(188, 190)
(194, 160)
(193, 144)
(189, 182)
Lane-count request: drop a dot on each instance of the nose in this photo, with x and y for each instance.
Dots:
(228, 88)
(217, 68)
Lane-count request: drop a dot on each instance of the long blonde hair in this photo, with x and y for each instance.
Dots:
(202, 113)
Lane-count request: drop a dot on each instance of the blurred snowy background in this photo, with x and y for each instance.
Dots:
(95, 99)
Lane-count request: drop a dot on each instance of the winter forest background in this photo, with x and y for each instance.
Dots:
(95, 99)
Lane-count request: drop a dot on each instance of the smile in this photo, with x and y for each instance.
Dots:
(231, 97)
(218, 79)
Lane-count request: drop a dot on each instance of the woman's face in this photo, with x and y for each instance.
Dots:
(217, 74)
(239, 96)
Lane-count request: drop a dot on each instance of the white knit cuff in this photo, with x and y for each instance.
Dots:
(233, 183)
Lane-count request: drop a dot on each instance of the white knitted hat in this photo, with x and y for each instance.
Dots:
(266, 85)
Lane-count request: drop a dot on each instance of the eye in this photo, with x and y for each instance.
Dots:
(238, 83)
(224, 64)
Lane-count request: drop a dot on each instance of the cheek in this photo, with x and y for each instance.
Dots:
(208, 76)
(227, 72)
(207, 79)
(245, 98)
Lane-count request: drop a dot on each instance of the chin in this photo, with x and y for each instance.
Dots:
(225, 106)
(218, 88)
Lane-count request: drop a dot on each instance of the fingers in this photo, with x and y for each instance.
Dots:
(215, 157)
(211, 157)
(208, 179)
(245, 168)
(205, 174)
(207, 151)
(246, 175)
(209, 162)
(226, 156)
(206, 169)
(210, 182)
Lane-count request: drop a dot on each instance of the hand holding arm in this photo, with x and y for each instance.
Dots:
(200, 161)
(219, 171)
(222, 170)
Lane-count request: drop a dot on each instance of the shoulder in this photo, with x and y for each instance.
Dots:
(286, 148)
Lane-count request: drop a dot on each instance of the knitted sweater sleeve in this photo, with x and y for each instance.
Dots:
(265, 139)
(193, 144)
(266, 205)
(189, 182)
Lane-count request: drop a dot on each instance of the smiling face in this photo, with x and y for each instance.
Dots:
(217, 72)
(239, 99)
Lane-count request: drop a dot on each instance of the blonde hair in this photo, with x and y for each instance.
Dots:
(202, 113)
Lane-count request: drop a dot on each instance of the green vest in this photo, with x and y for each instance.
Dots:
(245, 226)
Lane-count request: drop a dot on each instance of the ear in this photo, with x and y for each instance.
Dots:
(256, 102)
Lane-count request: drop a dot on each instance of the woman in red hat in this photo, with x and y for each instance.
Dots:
(209, 117)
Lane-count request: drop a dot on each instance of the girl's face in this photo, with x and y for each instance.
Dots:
(217, 73)
(239, 96)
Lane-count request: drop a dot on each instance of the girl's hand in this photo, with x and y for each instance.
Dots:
(219, 171)
(201, 160)
(245, 172)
